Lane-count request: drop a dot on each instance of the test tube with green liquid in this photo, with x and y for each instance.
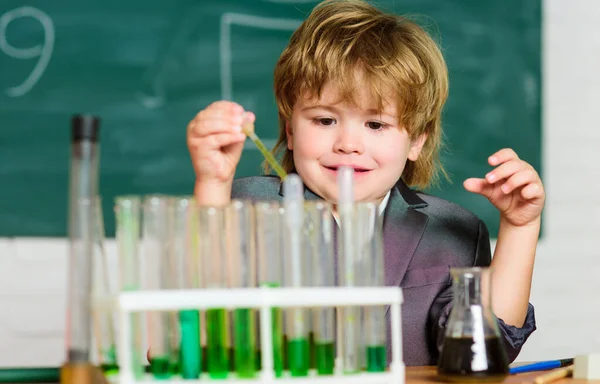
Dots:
(269, 249)
(104, 321)
(127, 216)
(371, 270)
(242, 260)
(215, 269)
(157, 275)
(184, 253)
(319, 245)
(296, 269)
(349, 319)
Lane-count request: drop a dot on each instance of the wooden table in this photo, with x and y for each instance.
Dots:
(426, 375)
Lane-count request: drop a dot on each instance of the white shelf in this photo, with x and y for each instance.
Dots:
(256, 298)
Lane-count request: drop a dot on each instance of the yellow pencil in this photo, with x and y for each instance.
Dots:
(554, 375)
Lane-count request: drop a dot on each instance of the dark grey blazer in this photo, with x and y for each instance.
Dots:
(424, 236)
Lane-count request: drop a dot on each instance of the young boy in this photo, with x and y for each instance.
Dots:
(366, 89)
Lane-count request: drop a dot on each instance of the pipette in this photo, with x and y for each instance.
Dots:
(350, 316)
(248, 130)
(320, 247)
(270, 270)
(372, 275)
(296, 274)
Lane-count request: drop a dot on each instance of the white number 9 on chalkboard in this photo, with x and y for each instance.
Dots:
(42, 52)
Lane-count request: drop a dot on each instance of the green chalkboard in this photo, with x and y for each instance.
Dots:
(147, 67)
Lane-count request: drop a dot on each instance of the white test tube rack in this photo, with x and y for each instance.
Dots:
(263, 299)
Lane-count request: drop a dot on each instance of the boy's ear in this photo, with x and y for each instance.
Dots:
(416, 145)
(288, 133)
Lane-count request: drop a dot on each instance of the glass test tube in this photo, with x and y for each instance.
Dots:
(297, 272)
(242, 261)
(104, 321)
(270, 269)
(184, 255)
(320, 247)
(213, 258)
(349, 320)
(127, 216)
(156, 276)
(83, 185)
(371, 273)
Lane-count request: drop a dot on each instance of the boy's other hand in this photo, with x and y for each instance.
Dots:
(215, 141)
(513, 187)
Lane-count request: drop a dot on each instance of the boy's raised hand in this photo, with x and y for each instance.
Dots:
(513, 186)
(215, 141)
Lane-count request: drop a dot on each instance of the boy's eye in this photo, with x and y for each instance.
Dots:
(376, 125)
(325, 121)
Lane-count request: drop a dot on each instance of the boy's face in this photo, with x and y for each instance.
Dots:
(326, 134)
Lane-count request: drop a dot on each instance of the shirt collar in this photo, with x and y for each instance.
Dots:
(380, 208)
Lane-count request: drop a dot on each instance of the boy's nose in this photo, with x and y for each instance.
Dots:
(348, 141)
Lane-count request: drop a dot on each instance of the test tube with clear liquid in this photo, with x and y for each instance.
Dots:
(319, 246)
(127, 217)
(370, 271)
(269, 247)
(297, 271)
(242, 260)
(215, 268)
(157, 275)
(349, 319)
(185, 258)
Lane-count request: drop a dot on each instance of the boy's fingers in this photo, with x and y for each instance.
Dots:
(215, 125)
(519, 179)
(249, 117)
(502, 156)
(532, 191)
(226, 105)
(504, 170)
(479, 186)
(224, 139)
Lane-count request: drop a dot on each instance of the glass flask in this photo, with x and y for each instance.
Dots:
(473, 349)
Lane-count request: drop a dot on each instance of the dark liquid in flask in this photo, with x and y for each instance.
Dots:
(462, 360)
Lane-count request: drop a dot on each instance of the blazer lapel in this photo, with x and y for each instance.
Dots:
(403, 228)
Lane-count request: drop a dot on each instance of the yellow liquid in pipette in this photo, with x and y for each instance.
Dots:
(248, 130)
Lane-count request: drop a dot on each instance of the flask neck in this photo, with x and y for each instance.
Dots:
(472, 288)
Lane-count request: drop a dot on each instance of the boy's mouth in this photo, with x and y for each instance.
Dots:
(357, 169)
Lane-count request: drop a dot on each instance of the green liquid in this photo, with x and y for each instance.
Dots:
(110, 366)
(325, 357)
(216, 338)
(245, 343)
(161, 367)
(298, 357)
(190, 354)
(376, 358)
(109, 369)
(277, 332)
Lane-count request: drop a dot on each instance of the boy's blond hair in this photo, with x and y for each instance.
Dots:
(396, 57)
